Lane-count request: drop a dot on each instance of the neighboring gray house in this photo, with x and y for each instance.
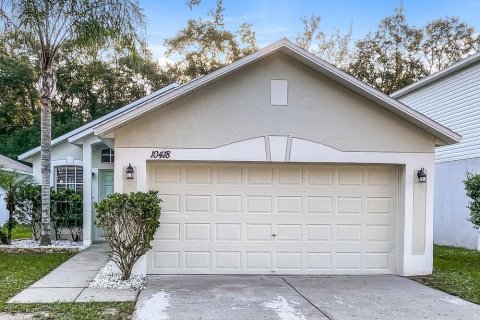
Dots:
(8, 164)
(452, 98)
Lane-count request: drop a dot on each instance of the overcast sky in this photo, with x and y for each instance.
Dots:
(275, 19)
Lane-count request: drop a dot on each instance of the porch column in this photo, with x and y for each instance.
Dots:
(87, 192)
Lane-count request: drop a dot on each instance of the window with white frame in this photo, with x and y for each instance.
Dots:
(69, 177)
(107, 155)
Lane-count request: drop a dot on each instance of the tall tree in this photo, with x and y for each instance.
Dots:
(446, 41)
(333, 48)
(51, 26)
(205, 45)
(390, 57)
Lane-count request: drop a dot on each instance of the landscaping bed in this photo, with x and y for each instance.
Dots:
(19, 270)
(32, 246)
(455, 271)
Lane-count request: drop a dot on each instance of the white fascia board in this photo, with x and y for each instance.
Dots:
(437, 75)
(86, 129)
(284, 45)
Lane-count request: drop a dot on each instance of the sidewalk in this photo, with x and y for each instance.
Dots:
(69, 282)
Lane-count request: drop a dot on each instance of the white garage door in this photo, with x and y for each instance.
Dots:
(280, 219)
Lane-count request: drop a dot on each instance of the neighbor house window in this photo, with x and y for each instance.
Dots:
(108, 155)
(69, 177)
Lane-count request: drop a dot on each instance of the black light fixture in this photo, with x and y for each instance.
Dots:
(422, 175)
(129, 171)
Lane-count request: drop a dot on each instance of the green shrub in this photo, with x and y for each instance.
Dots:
(30, 208)
(472, 185)
(129, 222)
(67, 212)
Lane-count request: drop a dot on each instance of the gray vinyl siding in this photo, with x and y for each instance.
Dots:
(454, 102)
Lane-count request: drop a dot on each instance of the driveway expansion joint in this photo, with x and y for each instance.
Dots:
(325, 314)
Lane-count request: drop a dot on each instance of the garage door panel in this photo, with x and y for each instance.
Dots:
(168, 231)
(290, 176)
(318, 261)
(320, 177)
(197, 231)
(378, 261)
(259, 260)
(350, 177)
(319, 205)
(379, 205)
(198, 175)
(349, 205)
(259, 176)
(228, 260)
(348, 261)
(259, 204)
(318, 232)
(348, 232)
(198, 203)
(258, 232)
(170, 202)
(289, 205)
(264, 218)
(228, 204)
(228, 232)
(288, 260)
(289, 232)
(197, 260)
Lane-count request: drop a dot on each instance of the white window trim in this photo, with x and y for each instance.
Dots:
(54, 176)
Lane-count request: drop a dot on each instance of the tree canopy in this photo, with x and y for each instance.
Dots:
(92, 82)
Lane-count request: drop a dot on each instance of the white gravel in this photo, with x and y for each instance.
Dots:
(55, 244)
(110, 277)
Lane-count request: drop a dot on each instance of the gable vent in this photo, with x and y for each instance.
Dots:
(279, 92)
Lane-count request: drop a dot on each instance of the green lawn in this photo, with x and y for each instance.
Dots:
(18, 271)
(455, 271)
(20, 231)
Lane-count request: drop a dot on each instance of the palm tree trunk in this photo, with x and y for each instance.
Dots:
(46, 87)
(11, 211)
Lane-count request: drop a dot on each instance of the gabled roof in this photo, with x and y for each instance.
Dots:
(88, 128)
(8, 164)
(173, 92)
(437, 130)
(468, 61)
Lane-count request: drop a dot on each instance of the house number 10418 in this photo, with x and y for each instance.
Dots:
(160, 154)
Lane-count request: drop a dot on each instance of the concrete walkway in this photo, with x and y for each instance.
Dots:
(69, 282)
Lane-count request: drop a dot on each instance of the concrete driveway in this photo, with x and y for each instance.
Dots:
(297, 298)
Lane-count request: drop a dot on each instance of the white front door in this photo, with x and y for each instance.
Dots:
(274, 218)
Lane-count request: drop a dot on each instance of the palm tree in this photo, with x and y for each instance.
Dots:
(50, 26)
(12, 184)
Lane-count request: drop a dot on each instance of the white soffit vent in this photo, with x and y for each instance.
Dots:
(279, 92)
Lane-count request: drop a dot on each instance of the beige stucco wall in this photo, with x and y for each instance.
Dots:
(238, 108)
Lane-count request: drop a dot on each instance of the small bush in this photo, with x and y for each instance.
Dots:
(130, 222)
(67, 212)
(30, 208)
(472, 185)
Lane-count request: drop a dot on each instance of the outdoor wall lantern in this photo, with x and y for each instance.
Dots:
(422, 175)
(129, 171)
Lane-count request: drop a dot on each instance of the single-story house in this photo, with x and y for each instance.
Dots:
(278, 163)
(7, 164)
(452, 97)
